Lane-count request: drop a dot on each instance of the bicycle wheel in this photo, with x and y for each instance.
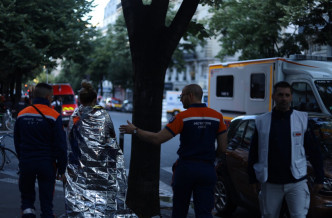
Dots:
(11, 159)
(10, 123)
(2, 158)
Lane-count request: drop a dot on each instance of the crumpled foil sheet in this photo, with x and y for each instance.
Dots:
(96, 178)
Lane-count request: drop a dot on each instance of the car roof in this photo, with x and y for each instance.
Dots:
(254, 116)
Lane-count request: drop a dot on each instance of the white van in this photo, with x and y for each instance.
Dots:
(172, 104)
(245, 87)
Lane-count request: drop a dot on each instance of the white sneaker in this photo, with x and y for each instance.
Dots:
(29, 211)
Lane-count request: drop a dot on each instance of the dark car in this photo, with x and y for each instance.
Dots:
(233, 188)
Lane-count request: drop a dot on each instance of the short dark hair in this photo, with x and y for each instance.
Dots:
(282, 84)
(43, 90)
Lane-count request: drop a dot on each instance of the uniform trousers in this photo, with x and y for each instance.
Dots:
(296, 194)
(45, 173)
(197, 178)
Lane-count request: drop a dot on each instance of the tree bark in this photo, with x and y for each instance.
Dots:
(152, 45)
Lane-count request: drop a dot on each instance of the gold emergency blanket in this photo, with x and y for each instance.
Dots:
(96, 177)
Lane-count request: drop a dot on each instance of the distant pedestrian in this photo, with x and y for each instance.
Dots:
(199, 127)
(2, 104)
(57, 104)
(277, 164)
(40, 143)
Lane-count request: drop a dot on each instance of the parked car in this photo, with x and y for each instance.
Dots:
(233, 186)
(113, 104)
(127, 106)
(101, 101)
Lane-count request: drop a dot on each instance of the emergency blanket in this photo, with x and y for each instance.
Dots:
(96, 178)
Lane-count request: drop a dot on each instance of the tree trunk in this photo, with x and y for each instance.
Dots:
(152, 45)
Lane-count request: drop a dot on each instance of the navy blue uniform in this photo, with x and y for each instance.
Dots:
(194, 173)
(42, 151)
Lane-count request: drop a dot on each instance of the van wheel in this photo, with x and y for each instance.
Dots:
(223, 202)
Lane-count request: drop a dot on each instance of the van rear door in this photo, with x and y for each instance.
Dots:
(241, 88)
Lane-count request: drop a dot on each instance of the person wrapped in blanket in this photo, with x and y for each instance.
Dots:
(96, 178)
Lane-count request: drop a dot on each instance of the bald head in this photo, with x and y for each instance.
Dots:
(195, 90)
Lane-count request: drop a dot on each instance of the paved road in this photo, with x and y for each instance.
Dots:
(10, 197)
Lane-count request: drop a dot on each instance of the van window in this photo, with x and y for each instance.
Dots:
(257, 85)
(67, 99)
(324, 88)
(303, 97)
(225, 86)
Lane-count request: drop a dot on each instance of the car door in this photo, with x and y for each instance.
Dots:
(237, 160)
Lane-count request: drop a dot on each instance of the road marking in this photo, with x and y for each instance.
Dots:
(164, 188)
(168, 169)
(58, 186)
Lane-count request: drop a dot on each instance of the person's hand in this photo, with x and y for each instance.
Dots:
(61, 177)
(127, 129)
(256, 187)
(317, 187)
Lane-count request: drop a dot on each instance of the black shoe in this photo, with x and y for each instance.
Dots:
(29, 215)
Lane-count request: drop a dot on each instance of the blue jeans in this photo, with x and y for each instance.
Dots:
(199, 179)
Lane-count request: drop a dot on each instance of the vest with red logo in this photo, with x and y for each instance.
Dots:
(298, 124)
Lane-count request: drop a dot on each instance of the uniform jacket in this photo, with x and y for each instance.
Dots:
(38, 139)
(199, 127)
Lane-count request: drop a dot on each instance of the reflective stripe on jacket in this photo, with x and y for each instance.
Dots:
(37, 139)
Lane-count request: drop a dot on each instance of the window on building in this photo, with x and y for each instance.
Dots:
(303, 97)
(257, 85)
(225, 86)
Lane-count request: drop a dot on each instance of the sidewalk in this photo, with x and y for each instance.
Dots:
(10, 199)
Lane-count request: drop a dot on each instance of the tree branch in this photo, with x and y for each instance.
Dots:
(131, 11)
(180, 24)
(159, 10)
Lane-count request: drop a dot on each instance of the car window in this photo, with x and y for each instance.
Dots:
(322, 129)
(248, 134)
(232, 128)
(237, 139)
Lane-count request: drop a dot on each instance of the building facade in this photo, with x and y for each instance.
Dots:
(196, 67)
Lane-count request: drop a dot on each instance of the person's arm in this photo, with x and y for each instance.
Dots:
(222, 144)
(110, 126)
(60, 144)
(151, 137)
(17, 139)
(253, 158)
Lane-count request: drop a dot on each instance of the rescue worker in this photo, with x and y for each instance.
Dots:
(199, 127)
(277, 164)
(40, 143)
